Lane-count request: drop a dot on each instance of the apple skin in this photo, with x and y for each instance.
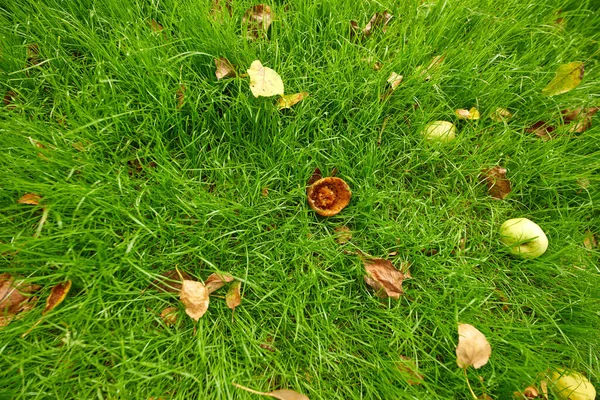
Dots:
(572, 386)
(439, 131)
(524, 237)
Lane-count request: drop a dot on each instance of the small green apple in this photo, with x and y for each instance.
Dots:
(572, 386)
(525, 237)
(439, 131)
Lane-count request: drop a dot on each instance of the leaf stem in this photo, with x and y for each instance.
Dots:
(469, 384)
(247, 389)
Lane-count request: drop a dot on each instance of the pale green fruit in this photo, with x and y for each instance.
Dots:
(439, 131)
(572, 386)
(524, 237)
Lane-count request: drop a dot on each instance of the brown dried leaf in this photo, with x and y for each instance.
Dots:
(354, 28)
(194, 297)
(169, 316)
(288, 100)
(224, 68)
(170, 281)
(9, 98)
(180, 96)
(343, 234)
(282, 394)
(541, 129)
(589, 241)
(316, 175)
(33, 55)
(233, 298)
(582, 118)
(217, 281)
(409, 369)
(473, 347)
(378, 19)
(257, 20)
(30, 198)
(498, 185)
(14, 295)
(264, 192)
(384, 277)
(57, 295)
(500, 114)
(155, 26)
(394, 80)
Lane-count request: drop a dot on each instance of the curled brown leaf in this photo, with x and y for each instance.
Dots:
(582, 118)
(224, 68)
(169, 316)
(194, 297)
(217, 281)
(378, 19)
(15, 295)
(288, 100)
(498, 184)
(257, 20)
(233, 298)
(57, 295)
(541, 129)
(30, 198)
(384, 277)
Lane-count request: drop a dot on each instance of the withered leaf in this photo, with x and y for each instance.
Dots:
(473, 347)
(343, 234)
(436, 61)
(500, 114)
(264, 192)
(180, 96)
(217, 9)
(14, 296)
(217, 281)
(9, 98)
(170, 281)
(194, 297)
(282, 394)
(473, 113)
(354, 28)
(30, 198)
(155, 26)
(541, 129)
(57, 295)
(394, 80)
(589, 241)
(224, 68)
(233, 297)
(257, 20)
(288, 100)
(498, 184)
(384, 277)
(568, 76)
(264, 81)
(378, 19)
(316, 175)
(33, 55)
(169, 316)
(582, 118)
(409, 369)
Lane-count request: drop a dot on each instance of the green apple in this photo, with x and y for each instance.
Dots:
(524, 237)
(572, 386)
(439, 131)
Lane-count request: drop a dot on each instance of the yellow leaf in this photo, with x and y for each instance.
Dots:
(57, 295)
(195, 298)
(571, 385)
(288, 100)
(473, 113)
(473, 348)
(568, 76)
(264, 81)
(233, 297)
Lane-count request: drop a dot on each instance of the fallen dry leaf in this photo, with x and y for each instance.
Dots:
(384, 277)
(264, 81)
(257, 20)
(155, 26)
(433, 65)
(264, 192)
(582, 118)
(354, 28)
(33, 55)
(473, 113)
(316, 175)
(541, 129)
(288, 100)
(567, 77)
(378, 19)
(589, 241)
(57, 295)
(233, 297)
(473, 348)
(14, 297)
(343, 234)
(217, 281)
(224, 68)
(544, 389)
(169, 316)
(180, 96)
(9, 98)
(394, 80)
(170, 281)
(30, 198)
(282, 394)
(409, 369)
(498, 185)
(500, 114)
(217, 9)
(194, 297)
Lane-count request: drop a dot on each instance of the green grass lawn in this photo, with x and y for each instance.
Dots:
(134, 185)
